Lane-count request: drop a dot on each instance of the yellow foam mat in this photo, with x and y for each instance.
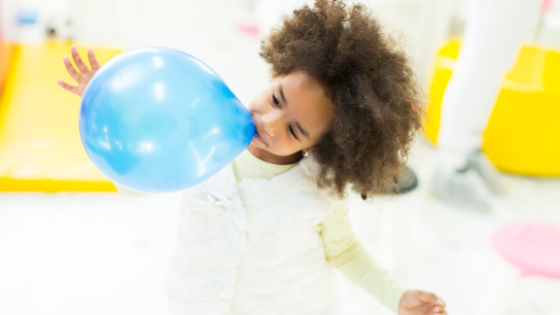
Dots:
(40, 146)
(523, 134)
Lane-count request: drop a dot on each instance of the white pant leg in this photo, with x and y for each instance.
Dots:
(494, 32)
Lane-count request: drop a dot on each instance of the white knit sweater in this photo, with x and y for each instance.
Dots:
(251, 247)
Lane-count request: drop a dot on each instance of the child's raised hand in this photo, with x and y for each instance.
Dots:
(81, 78)
(416, 302)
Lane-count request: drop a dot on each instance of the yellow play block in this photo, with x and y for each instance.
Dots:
(523, 134)
(40, 146)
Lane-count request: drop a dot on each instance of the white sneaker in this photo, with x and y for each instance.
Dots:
(462, 187)
(478, 161)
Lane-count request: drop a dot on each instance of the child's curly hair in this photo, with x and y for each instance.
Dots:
(376, 103)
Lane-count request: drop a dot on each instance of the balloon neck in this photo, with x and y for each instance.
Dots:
(255, 128)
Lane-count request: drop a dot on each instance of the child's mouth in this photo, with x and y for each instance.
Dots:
(259, 138)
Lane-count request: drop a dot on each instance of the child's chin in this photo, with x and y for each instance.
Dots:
(256, 145)
(259, 146)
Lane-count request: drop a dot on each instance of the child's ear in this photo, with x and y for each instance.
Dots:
(311, 149)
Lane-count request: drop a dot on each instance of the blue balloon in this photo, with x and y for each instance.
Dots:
(159, 120)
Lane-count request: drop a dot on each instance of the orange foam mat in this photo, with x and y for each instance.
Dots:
(40, 146)
(6, 50)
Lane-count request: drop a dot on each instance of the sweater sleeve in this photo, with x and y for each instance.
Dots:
(351, 258)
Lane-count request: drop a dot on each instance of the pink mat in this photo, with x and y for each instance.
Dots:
(533, 247)
(249, 29)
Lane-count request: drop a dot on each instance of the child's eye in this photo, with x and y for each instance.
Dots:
(293, 132)
(275, 101)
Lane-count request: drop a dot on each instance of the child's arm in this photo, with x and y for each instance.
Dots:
(84, 75)
(345, 253)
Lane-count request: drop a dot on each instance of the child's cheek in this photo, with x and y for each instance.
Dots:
(283, 147)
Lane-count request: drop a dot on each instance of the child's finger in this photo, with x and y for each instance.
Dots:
(78, 59)
(68, 87)
(439, 309)
(430, 298)
(93, 60)
(71, 70)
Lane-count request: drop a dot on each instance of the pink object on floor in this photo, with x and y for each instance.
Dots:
(532, 247)
(249, 29)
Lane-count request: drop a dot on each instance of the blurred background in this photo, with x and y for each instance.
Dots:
(69, 244)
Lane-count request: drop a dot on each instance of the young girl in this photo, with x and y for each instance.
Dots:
(262, 235)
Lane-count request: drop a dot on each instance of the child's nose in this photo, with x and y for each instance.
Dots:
(270, 123)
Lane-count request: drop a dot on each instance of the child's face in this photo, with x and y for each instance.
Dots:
(290, 115)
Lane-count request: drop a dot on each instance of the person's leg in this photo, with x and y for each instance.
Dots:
(494, 32)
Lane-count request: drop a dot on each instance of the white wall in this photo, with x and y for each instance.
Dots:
(201, 26)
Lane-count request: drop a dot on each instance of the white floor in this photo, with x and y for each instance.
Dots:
(108, 254)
